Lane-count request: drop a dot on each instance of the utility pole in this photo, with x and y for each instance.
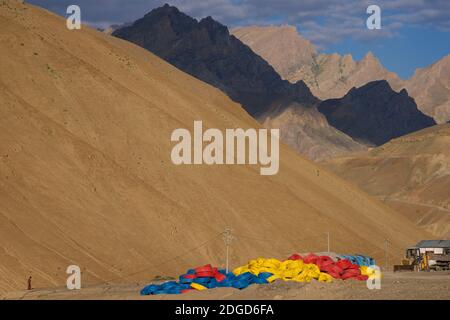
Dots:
(228, 238)
(328, 242)
(386, 255)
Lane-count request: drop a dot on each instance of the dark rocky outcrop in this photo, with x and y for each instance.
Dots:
(206, 50)
(374, 113)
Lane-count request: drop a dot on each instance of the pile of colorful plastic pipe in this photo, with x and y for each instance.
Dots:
(359, 260)
(206, 277)
(263, 271)
(342, 269)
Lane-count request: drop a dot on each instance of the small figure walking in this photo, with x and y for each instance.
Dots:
(29, 283)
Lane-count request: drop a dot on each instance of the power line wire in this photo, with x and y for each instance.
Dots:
(275, 240)
(162, 263)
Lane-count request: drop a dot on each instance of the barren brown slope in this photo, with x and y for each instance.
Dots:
(308, 132)
(411, 174)
(86, 176)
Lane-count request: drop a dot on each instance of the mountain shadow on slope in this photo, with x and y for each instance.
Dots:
(206, 50)
(374, 113)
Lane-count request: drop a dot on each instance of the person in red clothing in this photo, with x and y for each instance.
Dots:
(29, 283)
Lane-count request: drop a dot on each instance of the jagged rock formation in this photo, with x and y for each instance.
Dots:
(206, 50)
(332, 75)
(327, 75)
(374, 113)
(281, 46)
(430, 87)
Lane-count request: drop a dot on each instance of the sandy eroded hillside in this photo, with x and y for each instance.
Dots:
(411, 174)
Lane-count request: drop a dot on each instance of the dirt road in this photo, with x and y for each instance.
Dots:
(410, 286)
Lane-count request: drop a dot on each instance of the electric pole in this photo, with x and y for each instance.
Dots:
(386, 258)
(328, 242)
(228, 238)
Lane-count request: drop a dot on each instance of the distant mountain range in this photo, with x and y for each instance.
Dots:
(332, 75)
(206, 50)
(327, 75)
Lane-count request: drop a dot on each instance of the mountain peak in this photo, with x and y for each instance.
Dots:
(165, 9)
(281, 45)
(177, 19)
(380, 88)
(208, 19)
(210, 22)
(430, 87)
(370, 58)
(378, 84)
(206, 50)
(375, 114)
(348, 56)
(404, 92)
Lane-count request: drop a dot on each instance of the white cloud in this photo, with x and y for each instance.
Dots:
(324, 21)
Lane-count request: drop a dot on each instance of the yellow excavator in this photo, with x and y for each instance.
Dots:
(423, 261)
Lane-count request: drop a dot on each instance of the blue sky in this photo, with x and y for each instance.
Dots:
(415, 33)
(412, 48)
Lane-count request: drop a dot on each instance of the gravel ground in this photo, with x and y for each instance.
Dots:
(410, 286)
